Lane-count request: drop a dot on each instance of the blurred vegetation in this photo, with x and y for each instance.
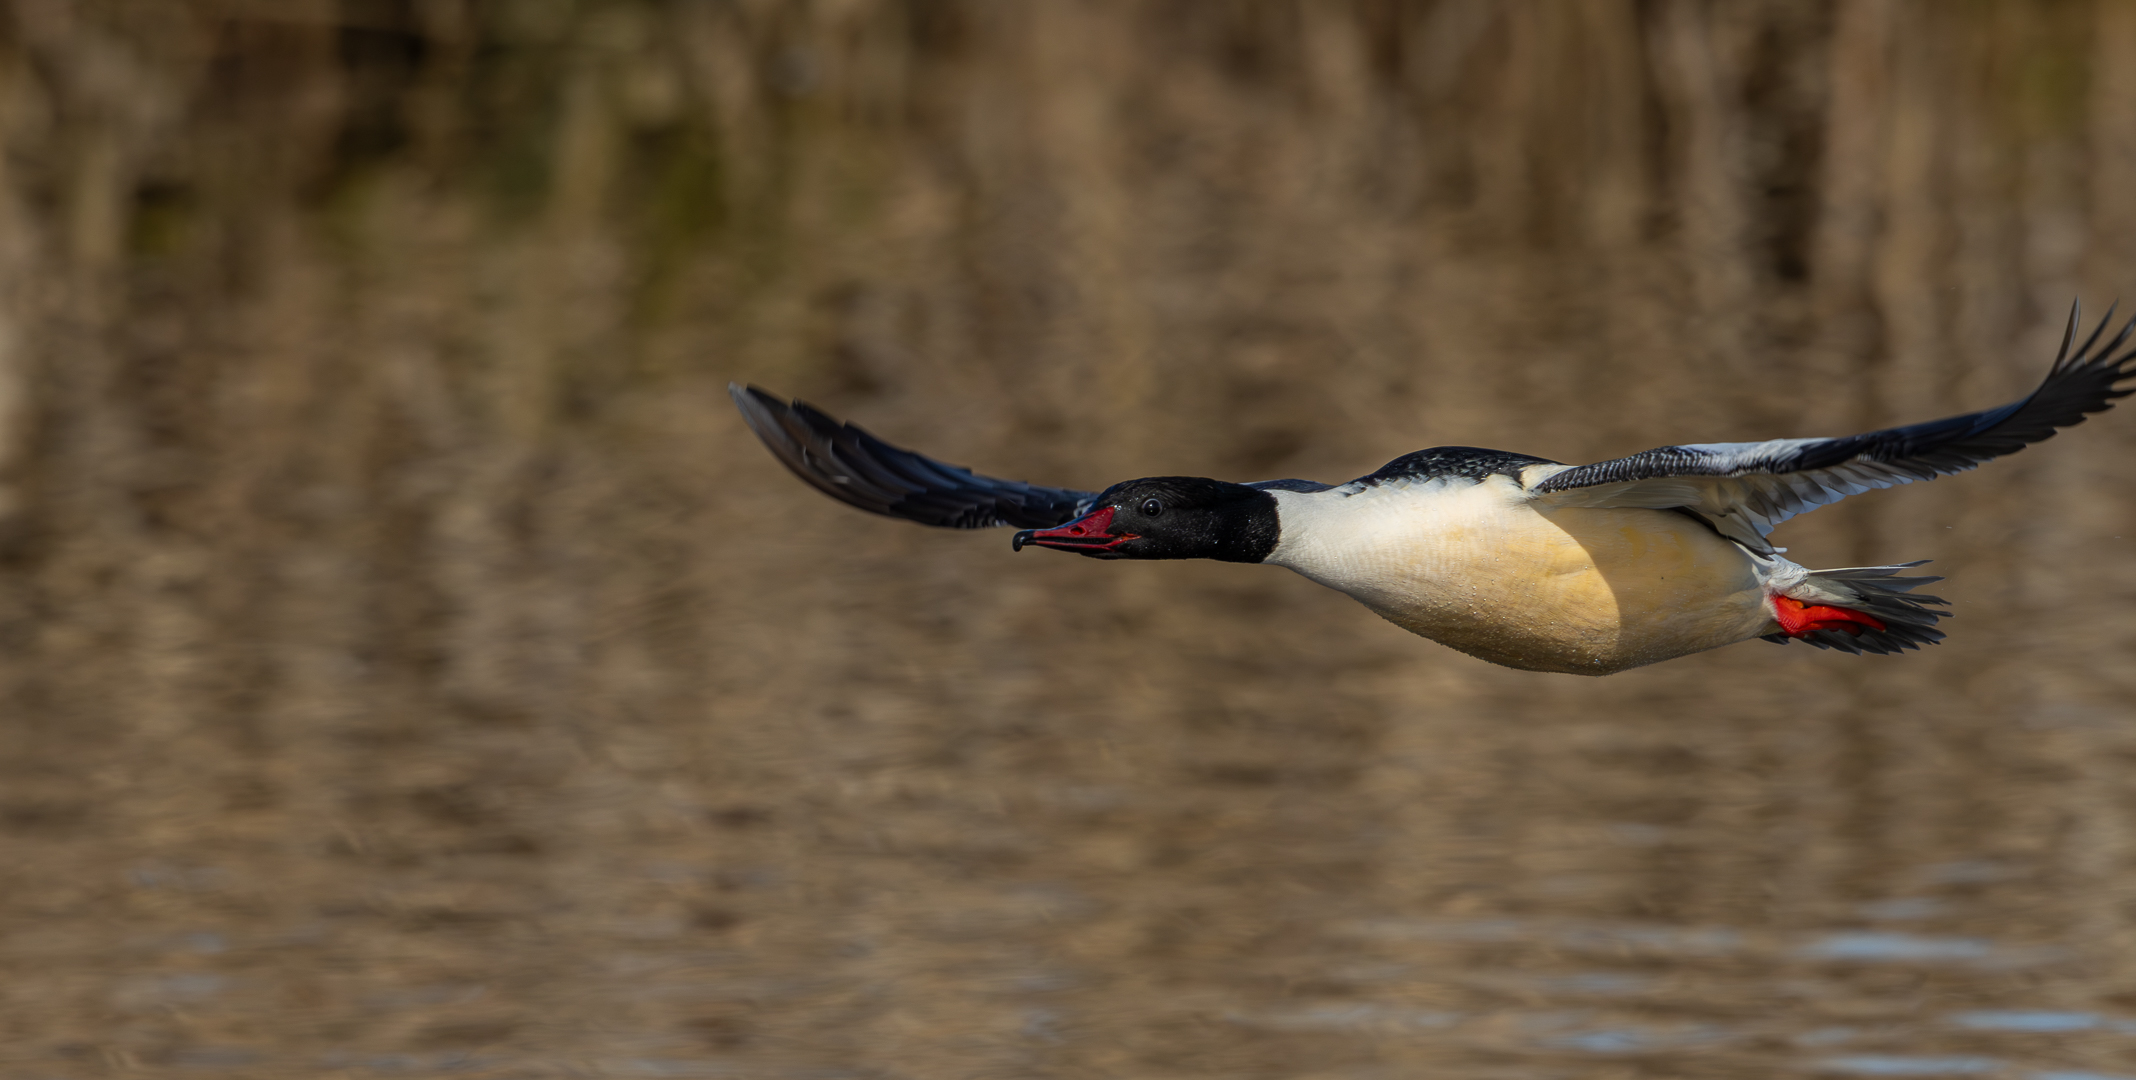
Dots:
(390, 594)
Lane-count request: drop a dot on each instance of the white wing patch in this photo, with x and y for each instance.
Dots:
(1746, 489)
(1744, 507)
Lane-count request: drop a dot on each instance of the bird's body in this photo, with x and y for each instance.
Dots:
(1479, 567)
(1521, 561)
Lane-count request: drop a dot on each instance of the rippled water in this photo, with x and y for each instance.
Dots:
(1454, 897)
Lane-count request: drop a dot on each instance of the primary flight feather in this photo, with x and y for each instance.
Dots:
(1521, 561)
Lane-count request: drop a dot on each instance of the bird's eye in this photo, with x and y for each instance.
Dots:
(1152, 508)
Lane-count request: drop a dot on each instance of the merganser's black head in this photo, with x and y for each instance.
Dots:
(1169, 517)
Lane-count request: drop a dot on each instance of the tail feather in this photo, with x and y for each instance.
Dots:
(1909, 619)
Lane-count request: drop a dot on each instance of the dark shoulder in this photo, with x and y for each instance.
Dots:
(1452, 462)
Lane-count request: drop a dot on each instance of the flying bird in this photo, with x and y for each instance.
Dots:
(1513, 559)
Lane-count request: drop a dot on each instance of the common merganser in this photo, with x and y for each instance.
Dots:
(1513, 559)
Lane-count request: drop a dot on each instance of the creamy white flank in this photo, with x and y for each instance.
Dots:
(1479, 568)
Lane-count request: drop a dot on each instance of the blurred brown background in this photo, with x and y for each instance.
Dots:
(413, 667)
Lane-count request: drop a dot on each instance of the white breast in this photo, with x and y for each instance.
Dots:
(1475, 566)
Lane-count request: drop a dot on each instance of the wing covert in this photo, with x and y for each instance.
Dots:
(1746, 489)
(860, 470)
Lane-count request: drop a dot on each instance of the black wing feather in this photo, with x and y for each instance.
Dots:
(1748, 488)
(860, 470)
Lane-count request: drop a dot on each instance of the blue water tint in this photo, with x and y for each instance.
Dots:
(1447, 929)
(1652, 938)
(186, 986)
(1878, 945)
(1594, 982)
(449, 1061)
(1910, 907)
(214, 1057)
(1968, 872)
(2027, 1020)
(665, 1067)
(195, 879)
(1042, 1025)
(386, 1063)
(1641, 835)
(1044, 981)
(1829, 1036)
(1374, 971)
(1352, 1016)
(1630, 1039)
(1901, 1065)
(701, 1069)
(1611, 936)
(1603, 1042)
(425, 996)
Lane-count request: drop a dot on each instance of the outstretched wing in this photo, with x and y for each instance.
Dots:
(858, 469)
(1745, 489)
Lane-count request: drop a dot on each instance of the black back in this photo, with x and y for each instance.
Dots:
(1452, 462)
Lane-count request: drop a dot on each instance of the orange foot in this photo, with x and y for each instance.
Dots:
(1798, 618)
